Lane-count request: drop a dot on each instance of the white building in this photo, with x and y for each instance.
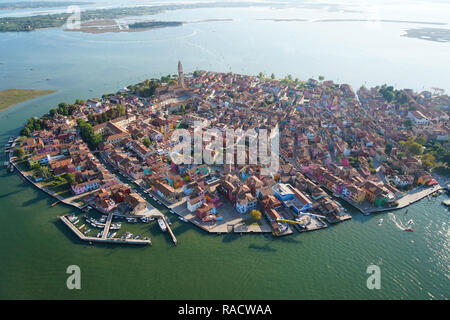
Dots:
(418, 118)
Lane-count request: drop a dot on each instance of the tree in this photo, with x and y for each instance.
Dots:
(255, 214)
(272, 76)
(408, 123)
(428, 160)
(321, 78)
(421, 140)
(53, 112)
(19, 152)
(25, 132)
(70, 177)
(146, 141)
(415, 148)
(43, 172)
(388, 148)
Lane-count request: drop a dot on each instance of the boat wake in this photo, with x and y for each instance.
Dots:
(396, 221)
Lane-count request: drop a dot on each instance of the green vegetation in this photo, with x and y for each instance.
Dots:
(391, 95)
(148, 86)
(11, 97)
(255, 214)
(88, 135)
(146, 141)
(110, 114)
(58, 20)
(154, 24)
(59, 184)
(412, 146)
(19, 152)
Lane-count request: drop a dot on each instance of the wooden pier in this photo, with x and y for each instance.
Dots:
(81, 236)
(174, 239)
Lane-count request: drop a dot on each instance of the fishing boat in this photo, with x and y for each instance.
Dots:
(183, 219)
(162, 225)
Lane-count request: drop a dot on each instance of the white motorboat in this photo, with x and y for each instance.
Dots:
(162, 225)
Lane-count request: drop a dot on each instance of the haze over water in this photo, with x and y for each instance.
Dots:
(331, 263)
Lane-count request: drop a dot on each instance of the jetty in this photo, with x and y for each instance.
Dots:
(81, 236)
(174, 239)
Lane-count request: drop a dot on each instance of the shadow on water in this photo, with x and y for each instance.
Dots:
(265, 247)
(39, 197)
(6, 195)
(229, 237)
(289, 239)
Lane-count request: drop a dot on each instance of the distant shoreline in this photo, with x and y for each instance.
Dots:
(11, 97)
(111, 25)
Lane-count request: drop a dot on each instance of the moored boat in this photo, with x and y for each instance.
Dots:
(162, 225)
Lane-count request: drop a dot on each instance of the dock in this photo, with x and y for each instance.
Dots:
(107, 226)
(81, 236)
(174, 239)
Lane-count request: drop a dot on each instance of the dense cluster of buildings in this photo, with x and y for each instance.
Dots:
(330, 142)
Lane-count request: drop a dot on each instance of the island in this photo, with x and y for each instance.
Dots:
(120, 159)
(36, 22)
(11, 97)
(429, 34)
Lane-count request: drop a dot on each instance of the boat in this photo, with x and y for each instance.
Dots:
(132, 220)
(162, 225)
(380, 221)
(113, 235)
(137, 237)
(87, 231)
(406, 211)
(410, 222)
(183, 219)
(409, 229)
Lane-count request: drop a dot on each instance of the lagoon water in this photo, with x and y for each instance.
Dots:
(36, 249)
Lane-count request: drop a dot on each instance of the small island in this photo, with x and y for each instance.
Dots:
(113, 157)
(30, 23)
(429, 34)
(11, 97)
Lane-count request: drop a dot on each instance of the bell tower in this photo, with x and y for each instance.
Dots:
(180, 75)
